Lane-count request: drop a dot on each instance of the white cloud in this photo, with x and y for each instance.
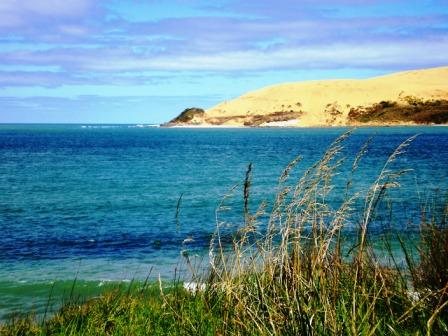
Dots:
(373, 54)
(16, 13)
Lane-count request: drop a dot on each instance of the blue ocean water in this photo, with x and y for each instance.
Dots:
(98, 203)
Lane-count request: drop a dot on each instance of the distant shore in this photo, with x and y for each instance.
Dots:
(208, 126)
(417, 97)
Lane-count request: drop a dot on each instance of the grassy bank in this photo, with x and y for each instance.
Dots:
(289, 270)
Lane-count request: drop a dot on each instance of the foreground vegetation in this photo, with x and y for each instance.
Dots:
(289, 272)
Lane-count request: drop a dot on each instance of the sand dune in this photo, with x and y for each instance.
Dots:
(326, 102)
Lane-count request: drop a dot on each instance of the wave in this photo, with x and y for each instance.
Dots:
(145, 126)
(120, 126)
(101, 126)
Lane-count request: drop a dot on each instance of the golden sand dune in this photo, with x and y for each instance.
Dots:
(409, 97)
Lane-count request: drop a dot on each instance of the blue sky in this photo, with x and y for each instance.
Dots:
(144, 61)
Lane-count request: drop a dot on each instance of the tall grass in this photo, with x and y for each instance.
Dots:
(288, 271)
(292, 277)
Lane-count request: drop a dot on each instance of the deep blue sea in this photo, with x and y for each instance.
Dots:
(98, 203)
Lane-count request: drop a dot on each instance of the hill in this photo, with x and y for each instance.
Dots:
(410, 97)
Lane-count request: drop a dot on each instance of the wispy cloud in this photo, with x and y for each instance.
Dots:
(47, 20)
(384, 52)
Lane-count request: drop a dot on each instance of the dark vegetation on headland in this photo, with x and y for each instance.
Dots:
(295, 275)
(187, 116)
(412, 110)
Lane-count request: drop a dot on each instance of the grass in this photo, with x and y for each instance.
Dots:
(288, 271)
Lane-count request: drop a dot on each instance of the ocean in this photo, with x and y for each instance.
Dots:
(105, 204)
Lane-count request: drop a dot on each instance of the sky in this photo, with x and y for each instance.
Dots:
(144, 61)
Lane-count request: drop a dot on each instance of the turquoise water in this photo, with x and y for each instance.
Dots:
(99, 203)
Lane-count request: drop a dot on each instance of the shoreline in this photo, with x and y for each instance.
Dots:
(208, 126)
